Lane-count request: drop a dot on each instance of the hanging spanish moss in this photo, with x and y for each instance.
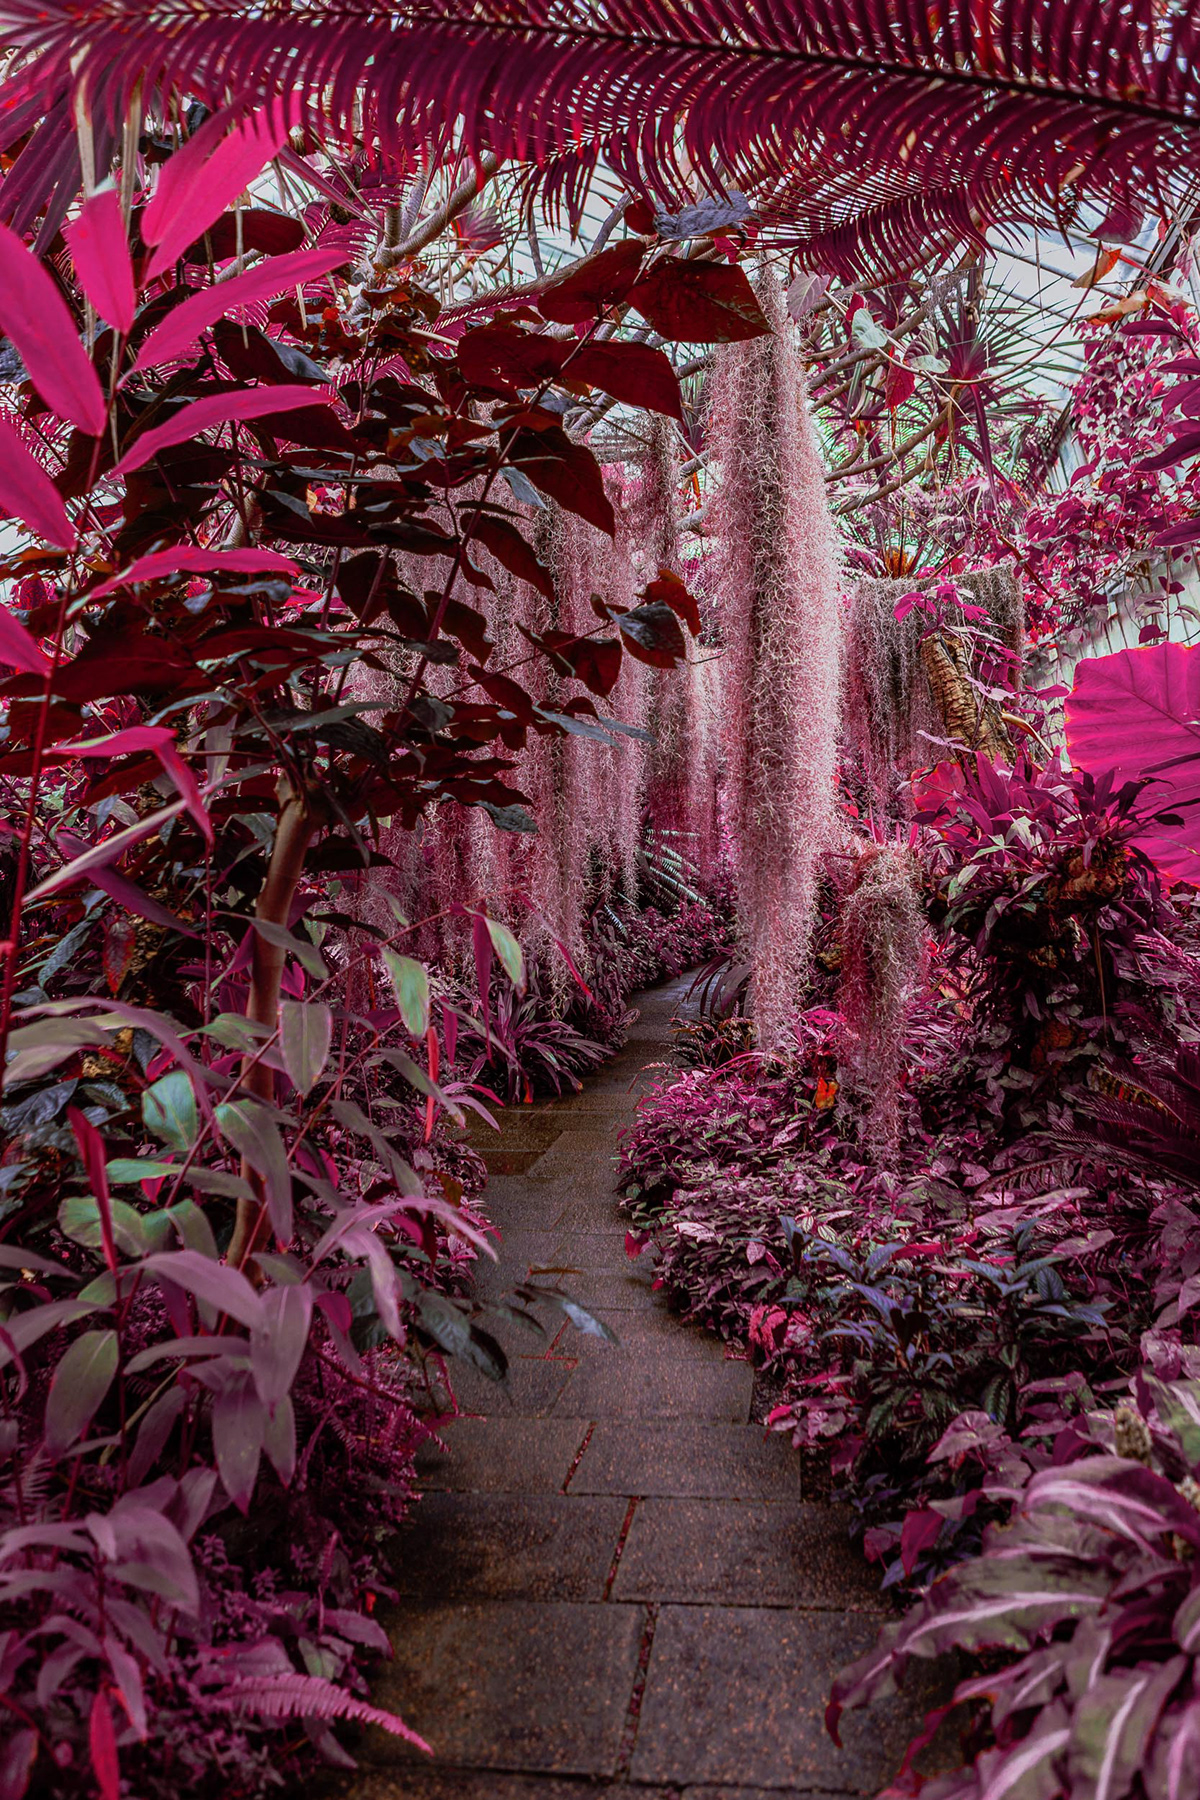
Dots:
(655, 526)
(882, 932)
(909, 686)
(586, 798)
(777, 582)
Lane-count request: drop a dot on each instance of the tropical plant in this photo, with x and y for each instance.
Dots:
(1083, 1605)
(1038, 876)
(971, 120)
(236, 1225)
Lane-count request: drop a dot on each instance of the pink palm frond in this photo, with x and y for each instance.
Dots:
(863, 134)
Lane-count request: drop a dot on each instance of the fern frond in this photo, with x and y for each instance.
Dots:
(298, 1696)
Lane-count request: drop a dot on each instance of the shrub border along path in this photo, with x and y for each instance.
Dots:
(613, 1585)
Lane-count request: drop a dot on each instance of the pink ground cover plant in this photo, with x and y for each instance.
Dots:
(989, 1327)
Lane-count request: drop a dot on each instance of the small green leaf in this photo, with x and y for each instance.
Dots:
(81, 1380)
(583, 1320)
(303, 951)
(455, 1333)
(509, 952)
(169, 1110)
(305, 1034)
(254, 1134)
(865, 332)
(137, 1234)
(235, 1031)
(125, 1171)
(411, 982)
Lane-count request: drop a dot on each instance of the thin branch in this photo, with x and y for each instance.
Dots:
(442, 215)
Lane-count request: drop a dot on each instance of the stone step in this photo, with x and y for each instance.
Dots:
(511, 1684)
(509, 1547)
(737, 1695)
(640, 1387)
(687, 1458)
(503, 1454)
(744, 1553)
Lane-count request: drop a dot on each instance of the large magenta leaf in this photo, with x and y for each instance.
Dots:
(101, 255)
(34, 315)
(180, 329)
(27, 493)
(1138, 712)
(200, 181)
(214, 409)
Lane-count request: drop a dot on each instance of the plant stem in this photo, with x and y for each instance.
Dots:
(293, 834)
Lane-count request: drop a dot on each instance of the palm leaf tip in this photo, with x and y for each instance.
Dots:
(865, 137)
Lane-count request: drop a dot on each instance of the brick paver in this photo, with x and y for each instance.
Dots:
(615, 1588)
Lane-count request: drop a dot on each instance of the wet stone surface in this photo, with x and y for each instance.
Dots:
(616, 1586)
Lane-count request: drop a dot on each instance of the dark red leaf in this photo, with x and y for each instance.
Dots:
(272, 234)
(699, 303)
(506, 693)
(120, 948)
(672, 592)
(513, 553)
(505, 355)
(119, 663)
(652, 634)
(315, 426)
(566, 471)
(594, 661)
(250, 355)
(921, 1530)
(634, 373)
(593, 284)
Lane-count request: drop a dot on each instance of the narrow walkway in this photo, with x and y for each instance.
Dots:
(613, 1588)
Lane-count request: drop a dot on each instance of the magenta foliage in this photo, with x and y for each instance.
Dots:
(1091, 1684)
(757, 104)
(1135, 713)
(780, 611)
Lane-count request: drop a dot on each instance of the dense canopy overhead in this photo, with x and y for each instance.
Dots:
(943, 121)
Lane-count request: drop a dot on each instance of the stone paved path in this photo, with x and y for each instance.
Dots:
(613, 1588)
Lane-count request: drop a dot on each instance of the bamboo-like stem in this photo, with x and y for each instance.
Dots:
(294, 832)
